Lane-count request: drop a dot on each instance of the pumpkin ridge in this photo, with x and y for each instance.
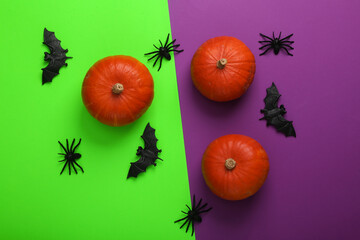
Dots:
(231, 55)
(98, 74)
(247, 173)
(211, 55)
(238, 69)
(239, 85)
(213, 81)
(234, 53)
(222, 54)
(243, 70)
(224, 184)
(232, 62)
(133, 99)
(127, 107)
(205, 64)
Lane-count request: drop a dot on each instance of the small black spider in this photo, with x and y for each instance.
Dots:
(193, 215)
(164, 51)
(276, 44)
(70, 156)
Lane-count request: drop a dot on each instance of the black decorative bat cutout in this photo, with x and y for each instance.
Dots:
(274, 115)
(149, 154)
(56, 58)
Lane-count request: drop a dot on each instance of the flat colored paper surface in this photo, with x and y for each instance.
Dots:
(312, 191)
(35, 201)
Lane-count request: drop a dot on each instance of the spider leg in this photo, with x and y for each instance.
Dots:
(184, 223)
(155, 46)
(181, 219)
(62, 160)
(161, 58)
(63, 167)
(193, 202)
(167, 39)
(280, 35)
(264, 41)
(174, 50)
(273, 36)
(67, 145)
(61, 153)
(287, 51)
(77, 145)
(69, 169)
(153, 57)
(72, 164)
(174, 46)
(290, 42)
(266, 37)
(265, 51)
(79, 166)
(187, 227)
(205, 210)
(183, 212)
(172, 42)
(265, 46)
(202, 206)
(188, 207)
(287, 45)
(286, 37)
(151, 52)
(193, 229)
(156, 60)
(198, 205)
(72, 144)
(62, 146)
(161, 43)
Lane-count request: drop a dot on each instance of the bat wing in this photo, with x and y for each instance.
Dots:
(140, 166)
(52, 69)
(52, 42)
(56, 58)
(283, 125)
(272, 97)
(150, 139)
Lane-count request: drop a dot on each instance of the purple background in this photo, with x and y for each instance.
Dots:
(312, 191)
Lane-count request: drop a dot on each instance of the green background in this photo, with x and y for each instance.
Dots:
(35, 201)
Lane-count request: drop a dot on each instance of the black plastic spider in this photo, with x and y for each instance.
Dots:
(164, 51)
(193, 215)
(276, 43)
(70, 156)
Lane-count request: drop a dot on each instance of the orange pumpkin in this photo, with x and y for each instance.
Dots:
(223, 68)
(117, 90)
(235, 166)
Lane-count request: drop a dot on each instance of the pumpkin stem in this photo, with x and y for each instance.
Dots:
(221, 63)
(230, 164)
(117, 88)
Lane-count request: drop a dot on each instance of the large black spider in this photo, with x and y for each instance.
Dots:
(70, 156)
(193, 215)
(276, 43)
(164, 51)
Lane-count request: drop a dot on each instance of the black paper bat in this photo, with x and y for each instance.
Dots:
(56, 58)
(274, 115)
(149, 154)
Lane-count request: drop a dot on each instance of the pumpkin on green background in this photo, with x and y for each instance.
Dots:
(117, 90)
